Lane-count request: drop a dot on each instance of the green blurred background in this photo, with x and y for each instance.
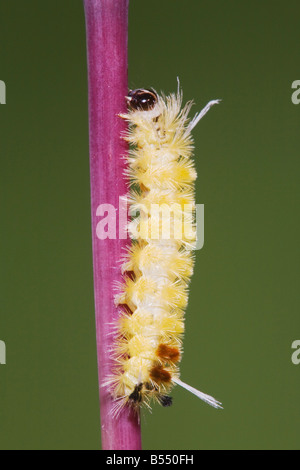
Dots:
(243, 313)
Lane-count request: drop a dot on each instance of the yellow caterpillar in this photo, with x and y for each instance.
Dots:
(157, 268)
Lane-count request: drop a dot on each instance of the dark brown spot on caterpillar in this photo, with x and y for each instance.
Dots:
(141, 99)
(159, 374)
(169, 353)
(165, 400)
(151, 387)
(136, 395)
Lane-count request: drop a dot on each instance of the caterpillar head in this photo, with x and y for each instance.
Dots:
(141, 99)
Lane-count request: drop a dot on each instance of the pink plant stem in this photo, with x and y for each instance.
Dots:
(107, 29)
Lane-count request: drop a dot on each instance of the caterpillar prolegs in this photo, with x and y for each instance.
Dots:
(157, 268)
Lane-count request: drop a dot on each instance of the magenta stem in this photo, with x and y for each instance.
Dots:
(107, 34)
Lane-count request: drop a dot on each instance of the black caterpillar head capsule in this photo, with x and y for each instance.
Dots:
(141, 99)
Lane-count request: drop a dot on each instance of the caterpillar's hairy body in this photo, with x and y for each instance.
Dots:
(156, 270)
